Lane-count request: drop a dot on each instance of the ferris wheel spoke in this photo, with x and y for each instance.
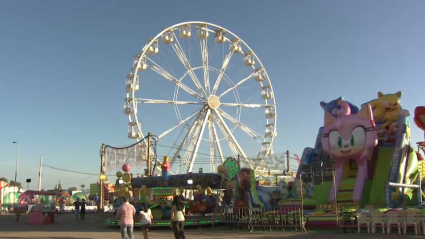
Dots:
(246, 105)
(243, 127)
(212, 145)
(180, 123)
(182, 57)
(222, 70)
(217, 142)
(192, 150)
(232, 137)
(191, 130)
(198, 140)
(204, 52)
(237, 84)
(227, 138)
(158, 69)
(171, 102)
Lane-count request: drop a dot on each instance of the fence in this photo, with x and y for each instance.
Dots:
(288, 218)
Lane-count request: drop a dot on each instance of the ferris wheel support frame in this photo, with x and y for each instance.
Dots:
(233, 139)
(205, 114)
(190, 132)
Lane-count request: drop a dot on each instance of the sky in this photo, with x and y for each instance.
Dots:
(63, 67)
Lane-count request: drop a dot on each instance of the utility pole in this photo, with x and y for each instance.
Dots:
(149, 155)
(17, 159)
(101, 179)
(288, 168)
(40, 171)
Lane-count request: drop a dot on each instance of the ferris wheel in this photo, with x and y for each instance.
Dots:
(215, 95)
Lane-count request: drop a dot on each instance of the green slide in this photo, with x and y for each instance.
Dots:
(254, 193)
(380, 177)
(382, 169)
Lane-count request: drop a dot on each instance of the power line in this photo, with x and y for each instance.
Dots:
(207, 154)
(72, 171)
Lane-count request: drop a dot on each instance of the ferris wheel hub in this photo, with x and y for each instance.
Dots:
(213, 102)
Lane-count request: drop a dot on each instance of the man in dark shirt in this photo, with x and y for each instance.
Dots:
(83, 209)
(77, 208)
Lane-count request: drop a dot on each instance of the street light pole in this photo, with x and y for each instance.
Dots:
(17, 159)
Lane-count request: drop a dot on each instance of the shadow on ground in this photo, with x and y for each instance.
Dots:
(93, 227)
(52, 237)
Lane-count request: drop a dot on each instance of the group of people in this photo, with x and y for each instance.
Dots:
(126, 213)
(80, 209)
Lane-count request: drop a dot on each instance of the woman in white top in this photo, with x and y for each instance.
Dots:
(145, 219)
(177, 218)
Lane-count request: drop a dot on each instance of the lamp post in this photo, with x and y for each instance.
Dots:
(17, 159)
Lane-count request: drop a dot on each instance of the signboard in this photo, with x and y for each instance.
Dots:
(162, 191)
(231, 168)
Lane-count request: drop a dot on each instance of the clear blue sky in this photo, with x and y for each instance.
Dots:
(63, 67)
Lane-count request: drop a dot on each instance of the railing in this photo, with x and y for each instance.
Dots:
(271, 219)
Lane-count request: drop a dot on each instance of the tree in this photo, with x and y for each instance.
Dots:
(4, 179)
(72, 189)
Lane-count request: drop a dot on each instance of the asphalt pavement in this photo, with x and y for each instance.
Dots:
(93, 227)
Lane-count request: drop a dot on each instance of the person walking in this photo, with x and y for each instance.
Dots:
(126, 213)
(83, 209)
(63, 204)
(177, 218)
(77, 208)
(96, 201)
(145, 219)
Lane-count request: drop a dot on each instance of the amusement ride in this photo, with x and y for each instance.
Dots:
(206, 83)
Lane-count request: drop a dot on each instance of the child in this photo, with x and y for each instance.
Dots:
(145, 219)
(77, 208)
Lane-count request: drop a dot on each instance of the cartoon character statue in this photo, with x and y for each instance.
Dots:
(349, 136)
(166, 167)
(211, 200)
(200, 200)
(386, 108)
(335, 105)
(209, 193)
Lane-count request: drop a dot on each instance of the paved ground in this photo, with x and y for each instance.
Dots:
(93, 228)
